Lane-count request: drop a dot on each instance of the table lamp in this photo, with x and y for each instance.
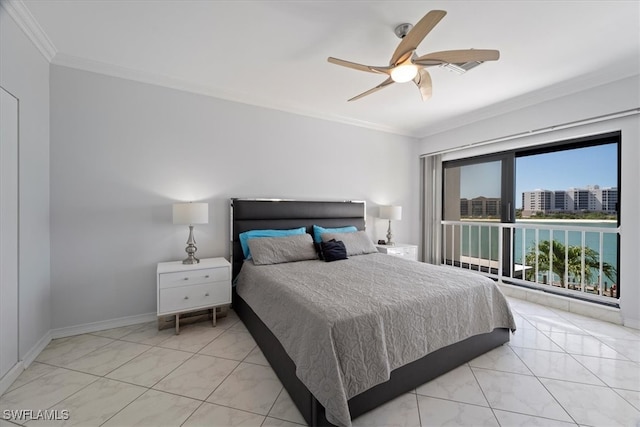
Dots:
(390, 213)
(189, 214)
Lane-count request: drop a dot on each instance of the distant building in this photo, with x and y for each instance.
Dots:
(606, 199)
(479, 207)
(580, 198)
(592, 198)
(538, 201)
(560, 200)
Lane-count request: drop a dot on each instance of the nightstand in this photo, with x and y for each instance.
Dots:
(191, 287)
(401, 250)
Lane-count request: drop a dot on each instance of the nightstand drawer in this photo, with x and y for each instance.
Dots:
(193, 277)
(403, 252)
(400, 250)
(194, 296)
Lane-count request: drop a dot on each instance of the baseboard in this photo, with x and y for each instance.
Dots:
(102, 325)
(631, 323)
(31, 355)
(596, 311)
(10, 377)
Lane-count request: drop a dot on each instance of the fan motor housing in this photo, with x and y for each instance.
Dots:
(402, 30)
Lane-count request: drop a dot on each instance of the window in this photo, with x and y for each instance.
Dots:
(561, 236)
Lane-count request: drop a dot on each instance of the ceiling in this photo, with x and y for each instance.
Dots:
(274, 53)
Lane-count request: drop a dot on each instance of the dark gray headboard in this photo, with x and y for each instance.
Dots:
(257, 214)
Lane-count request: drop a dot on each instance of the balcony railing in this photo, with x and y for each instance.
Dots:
(578, 260)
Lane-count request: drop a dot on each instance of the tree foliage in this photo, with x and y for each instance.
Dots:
(593, 215)
(572, 268)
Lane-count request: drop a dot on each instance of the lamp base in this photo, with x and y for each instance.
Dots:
(390, 236)
(191, 249)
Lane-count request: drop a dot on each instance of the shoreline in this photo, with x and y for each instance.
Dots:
(604, 221)
(607, 221)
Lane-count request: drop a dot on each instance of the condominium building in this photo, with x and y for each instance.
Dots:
(538, 201)
(607, 199)
(480, 207)
(592, 198)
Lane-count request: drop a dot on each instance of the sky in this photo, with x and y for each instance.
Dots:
(552, 171)
(565, 169)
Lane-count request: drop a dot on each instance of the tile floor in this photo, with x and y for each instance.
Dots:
(559, 369)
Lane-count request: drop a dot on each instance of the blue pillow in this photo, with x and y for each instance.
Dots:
(252, 234)
(317, 231)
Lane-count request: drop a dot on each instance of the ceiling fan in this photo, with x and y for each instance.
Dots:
(406, 65)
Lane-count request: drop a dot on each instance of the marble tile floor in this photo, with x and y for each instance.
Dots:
(560, 369)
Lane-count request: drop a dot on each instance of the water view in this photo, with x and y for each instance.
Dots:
(481, 242)
(564, 202)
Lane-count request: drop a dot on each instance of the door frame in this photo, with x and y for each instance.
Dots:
(13, 209)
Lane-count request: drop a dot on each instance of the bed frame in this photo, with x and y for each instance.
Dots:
(252, 214)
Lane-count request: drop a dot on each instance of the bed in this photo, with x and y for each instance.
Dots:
(357, 390)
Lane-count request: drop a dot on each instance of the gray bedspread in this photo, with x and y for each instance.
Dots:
(348, 324)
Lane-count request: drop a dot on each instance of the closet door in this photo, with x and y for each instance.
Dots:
(8, 232)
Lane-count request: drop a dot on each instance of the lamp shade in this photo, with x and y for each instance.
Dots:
(391, 212)
(190, 213)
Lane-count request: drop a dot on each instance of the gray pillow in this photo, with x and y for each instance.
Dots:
(357, 243)
(276, 250)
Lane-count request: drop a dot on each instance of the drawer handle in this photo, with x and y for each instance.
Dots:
(206, 277)
(186, 297)
(207, 294)
(186, 278)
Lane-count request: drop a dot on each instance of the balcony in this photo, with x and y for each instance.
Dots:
(574, 259)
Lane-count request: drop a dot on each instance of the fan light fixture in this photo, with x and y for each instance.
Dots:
(404, 73)
(405, 64)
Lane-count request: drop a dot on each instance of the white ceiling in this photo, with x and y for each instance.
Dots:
(274, 53)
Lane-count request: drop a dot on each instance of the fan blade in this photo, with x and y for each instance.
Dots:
(457, 57)
(423, 81)
(375, 89)
(361, 67)
(411, 41)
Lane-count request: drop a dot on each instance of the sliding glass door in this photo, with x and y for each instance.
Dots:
(543, 217)
(477, 195)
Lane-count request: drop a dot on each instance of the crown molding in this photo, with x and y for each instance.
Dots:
(549, 93)
(243, 98)
(22, 16)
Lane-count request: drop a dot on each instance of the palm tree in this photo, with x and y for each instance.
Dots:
(574, 262)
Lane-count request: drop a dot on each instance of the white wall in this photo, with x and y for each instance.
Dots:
(123, 152)
(25, 73)
(599, 101)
